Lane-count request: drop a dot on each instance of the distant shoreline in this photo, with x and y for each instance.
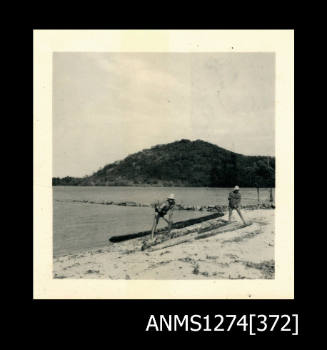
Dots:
(156, 185)
(264, 204)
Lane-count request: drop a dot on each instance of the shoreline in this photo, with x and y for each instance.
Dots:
(178, 206)
(243, 252)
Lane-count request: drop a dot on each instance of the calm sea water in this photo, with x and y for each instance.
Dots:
(78, 226)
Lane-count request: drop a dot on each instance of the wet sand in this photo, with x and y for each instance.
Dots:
(241, 253)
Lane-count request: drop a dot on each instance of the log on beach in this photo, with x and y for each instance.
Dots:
(176, 225)
(228, 227)
(220, 227)
(182, 236)
(169, 242)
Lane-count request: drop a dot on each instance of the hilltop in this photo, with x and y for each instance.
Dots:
(182, 163)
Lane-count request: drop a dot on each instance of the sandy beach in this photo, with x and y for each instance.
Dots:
(239, 253)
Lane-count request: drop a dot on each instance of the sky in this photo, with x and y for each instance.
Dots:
(109, 105)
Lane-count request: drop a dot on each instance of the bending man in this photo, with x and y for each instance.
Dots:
(162, 210)
(234, 200)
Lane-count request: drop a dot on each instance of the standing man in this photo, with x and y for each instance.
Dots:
(160, 211)
(234, 200)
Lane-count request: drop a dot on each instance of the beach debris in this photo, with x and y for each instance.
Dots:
(266, 267)
(212, 257)
(92, 271)
(196, 269)
(187, 259)
(166, 252)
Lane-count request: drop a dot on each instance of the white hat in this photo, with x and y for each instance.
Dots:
(171, 196)
(236, 188)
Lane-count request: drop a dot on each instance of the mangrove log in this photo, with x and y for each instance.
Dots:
(176, 225)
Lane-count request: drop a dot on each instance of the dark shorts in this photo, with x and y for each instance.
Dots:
(161, 215)
(230, 207)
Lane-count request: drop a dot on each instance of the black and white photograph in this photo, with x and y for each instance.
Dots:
(163, 165)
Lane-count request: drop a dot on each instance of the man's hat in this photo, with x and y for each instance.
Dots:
(171, 196)
(236, 188)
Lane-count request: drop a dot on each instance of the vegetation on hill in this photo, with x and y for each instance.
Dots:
(183, 163)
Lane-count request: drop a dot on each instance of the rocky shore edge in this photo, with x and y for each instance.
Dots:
(209, 208)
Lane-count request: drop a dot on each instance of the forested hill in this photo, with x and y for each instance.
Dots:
(183, 163)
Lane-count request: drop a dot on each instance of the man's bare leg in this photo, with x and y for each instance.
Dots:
(154, 226)
(229, 214)
(169, 222)
(240, 214)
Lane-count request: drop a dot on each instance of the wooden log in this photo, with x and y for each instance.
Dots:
(176, 225)
(226, 228)
(171, 242)
(163, 240)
